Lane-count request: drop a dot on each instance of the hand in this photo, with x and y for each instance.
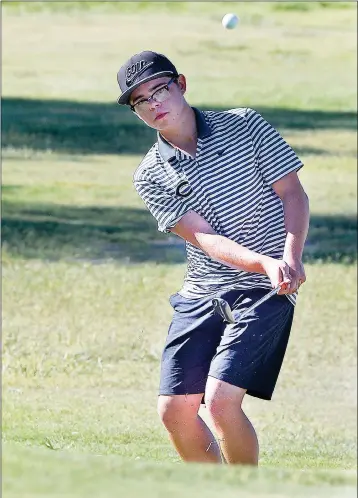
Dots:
(278, 272)
(297, 274)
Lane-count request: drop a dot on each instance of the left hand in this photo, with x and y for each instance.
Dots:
(297, 274)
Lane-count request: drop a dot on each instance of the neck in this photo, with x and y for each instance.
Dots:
(184, 134)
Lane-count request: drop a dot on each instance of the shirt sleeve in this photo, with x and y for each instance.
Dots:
(274, 156)
(165, 208)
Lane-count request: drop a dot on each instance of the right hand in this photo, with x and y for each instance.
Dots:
(278, 272)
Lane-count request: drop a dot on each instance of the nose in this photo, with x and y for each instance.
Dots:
(153, 104)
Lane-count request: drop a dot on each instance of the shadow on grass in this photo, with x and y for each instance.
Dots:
(53, 232)
(128, 235)
(105, 128)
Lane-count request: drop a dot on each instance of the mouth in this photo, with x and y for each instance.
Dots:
(160, 116)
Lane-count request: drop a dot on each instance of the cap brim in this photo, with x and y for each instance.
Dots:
(124, 98)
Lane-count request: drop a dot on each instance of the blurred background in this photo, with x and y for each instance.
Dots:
(86, 274)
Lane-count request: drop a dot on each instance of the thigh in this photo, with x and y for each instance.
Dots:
(250, 353)
(193, 337)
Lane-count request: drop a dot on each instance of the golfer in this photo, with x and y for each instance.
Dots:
(226, 182)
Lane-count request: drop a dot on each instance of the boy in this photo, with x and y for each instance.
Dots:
(226, 182)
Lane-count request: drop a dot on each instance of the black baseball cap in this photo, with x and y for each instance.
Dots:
(141, 68)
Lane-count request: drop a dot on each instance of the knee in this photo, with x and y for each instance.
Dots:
(217, 406)
(175, 411)
(166, 410)
(223, 401)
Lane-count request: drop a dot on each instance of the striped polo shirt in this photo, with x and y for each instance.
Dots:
(239, 156)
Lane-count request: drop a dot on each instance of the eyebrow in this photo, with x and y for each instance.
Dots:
(163, 83)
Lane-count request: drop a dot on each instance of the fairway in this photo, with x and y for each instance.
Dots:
(86, 276)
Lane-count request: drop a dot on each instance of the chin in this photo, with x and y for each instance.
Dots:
(167, 122)
(160, 126)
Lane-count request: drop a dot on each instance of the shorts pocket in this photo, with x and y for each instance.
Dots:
(182, 304)
(172, 300)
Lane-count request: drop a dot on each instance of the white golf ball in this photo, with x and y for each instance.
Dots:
(230, 21)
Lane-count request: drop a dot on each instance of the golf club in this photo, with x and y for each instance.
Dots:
(223, 309)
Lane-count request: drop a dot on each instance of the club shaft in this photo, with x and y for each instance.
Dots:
(260, 301)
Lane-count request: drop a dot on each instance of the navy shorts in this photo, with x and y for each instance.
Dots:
(248, 354)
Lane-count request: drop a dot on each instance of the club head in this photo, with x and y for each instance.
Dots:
(223, 309)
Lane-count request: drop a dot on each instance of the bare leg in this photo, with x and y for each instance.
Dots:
(237, 436)
(189, 434)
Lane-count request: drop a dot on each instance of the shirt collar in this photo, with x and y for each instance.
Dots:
(167, 151)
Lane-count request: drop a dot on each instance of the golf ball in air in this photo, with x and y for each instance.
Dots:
(229, 21)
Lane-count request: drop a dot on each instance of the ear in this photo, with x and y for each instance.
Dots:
(182, 83)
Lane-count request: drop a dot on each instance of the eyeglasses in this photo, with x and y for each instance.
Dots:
(159, 95)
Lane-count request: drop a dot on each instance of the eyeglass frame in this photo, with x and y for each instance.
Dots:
(150, 98)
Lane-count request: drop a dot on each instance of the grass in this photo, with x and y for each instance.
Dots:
(92, 475)
(85, 6)
(80, 366)
(95, 476)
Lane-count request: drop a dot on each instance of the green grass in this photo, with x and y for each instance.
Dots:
(98, 476)
(81, 366)
(85, 6)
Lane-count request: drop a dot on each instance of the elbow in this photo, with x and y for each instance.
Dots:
(305, 196)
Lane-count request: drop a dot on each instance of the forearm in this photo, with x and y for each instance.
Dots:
(296, 212)
(197, 231)
(231, 253)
